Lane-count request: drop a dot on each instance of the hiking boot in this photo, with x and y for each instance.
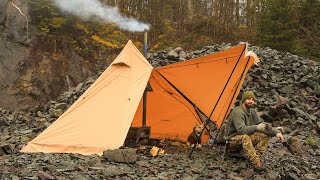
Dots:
(260, 168)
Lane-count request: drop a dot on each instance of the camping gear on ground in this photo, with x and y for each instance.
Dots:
(137, 136)
(100, 119)
(155, 151)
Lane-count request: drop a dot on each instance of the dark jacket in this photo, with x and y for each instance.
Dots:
(241, 121)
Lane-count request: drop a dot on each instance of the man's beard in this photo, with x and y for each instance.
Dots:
(249, 105)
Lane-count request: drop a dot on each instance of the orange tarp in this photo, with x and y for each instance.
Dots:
(210, 83)
(101, 117)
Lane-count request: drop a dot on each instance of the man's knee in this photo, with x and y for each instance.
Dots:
(261, 135)
(246, 141)
(260, 141)
(246, 138)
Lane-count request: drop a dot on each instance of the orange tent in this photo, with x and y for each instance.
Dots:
(101, 117)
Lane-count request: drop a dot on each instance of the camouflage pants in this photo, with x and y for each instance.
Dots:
(251, 146)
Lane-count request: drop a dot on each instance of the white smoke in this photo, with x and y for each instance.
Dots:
(87, 8)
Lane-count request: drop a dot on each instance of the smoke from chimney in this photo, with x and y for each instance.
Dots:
(87, 8)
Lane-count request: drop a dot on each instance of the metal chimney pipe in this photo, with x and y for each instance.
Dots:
(144, 110)
(145, 46)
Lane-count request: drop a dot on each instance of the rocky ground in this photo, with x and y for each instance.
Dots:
(287, 89)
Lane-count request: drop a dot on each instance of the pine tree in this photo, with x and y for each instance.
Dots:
(277, 26)
(309, 26)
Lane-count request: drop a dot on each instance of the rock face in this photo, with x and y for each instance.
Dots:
(34, 68)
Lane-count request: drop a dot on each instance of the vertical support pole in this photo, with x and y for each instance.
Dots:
(144, 113)
(145, 48)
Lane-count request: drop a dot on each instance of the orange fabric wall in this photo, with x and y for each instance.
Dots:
(201, 81)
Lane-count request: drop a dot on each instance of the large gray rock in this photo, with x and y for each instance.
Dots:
(121, 155)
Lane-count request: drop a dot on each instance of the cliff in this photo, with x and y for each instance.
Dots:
(35, 67)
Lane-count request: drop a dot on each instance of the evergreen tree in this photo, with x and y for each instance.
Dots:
(277, 26)
(309, 26)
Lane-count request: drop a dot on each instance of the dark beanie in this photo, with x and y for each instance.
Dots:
(246, 95)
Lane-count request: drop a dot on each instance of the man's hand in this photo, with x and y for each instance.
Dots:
(280, 137)
(261, 127)
(280, 129)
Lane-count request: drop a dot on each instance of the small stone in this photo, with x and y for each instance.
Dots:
(247, 173)
(310, 176)
(45, 176)
(234, 177)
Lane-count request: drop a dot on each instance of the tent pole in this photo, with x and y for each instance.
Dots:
(144, 116)
(242, 75)
(184, 96)
(198, 111)
(225, 86)
(144, 104)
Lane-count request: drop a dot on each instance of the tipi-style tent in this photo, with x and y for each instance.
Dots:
(101, 117)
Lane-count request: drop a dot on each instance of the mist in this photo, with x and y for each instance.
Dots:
(88, 8)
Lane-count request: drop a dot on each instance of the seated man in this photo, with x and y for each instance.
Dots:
(247, 133)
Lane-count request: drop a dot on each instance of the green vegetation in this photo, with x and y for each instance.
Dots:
(276, 27)
(310, 141)
(291, 26)
(90, 38)
(285, 25)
